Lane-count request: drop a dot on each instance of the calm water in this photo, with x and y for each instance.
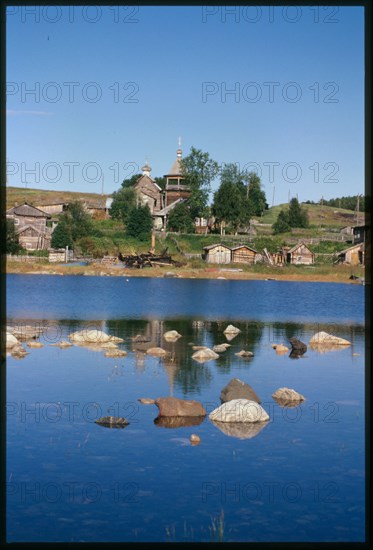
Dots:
(300, 478)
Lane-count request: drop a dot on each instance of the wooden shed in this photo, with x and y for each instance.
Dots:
(354, 255)
(217, 254)
(243, 254)
(300, 254)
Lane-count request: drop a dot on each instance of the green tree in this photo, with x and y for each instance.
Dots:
(256, 195)
(61, 236)
(123, 202)
(130, 182)
(298, 216)
(11, 243)
(140, 223)
(231, 203)
(180, 219)
(281, 225)
(79, 221)
(199, 170)
(161, 181)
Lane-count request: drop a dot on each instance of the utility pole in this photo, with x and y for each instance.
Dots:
(273, 196)
(357, 209)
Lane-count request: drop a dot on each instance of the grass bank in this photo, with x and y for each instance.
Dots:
(199, 270)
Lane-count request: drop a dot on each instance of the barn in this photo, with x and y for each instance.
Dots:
(243, 254)
(217, 254)
(300, 254)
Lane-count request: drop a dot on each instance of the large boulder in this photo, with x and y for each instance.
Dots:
(239, 410)
(172, 406)
(204, 354)
(34, 344)
(237, 389)
(25, 332)
(96, 337)
(287, 397)
(11, 341)
(240, 430)
(298, 348)
(324, 338)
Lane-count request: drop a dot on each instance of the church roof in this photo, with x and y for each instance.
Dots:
(146, 177)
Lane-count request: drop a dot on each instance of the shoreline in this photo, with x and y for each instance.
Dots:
(325, 274)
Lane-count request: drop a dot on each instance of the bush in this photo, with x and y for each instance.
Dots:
(140, 223)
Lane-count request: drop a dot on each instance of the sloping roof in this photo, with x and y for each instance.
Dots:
(175, 168)
(359, 246)
(150, 179)
(243, 246)
(27, 210)
(167, 209)
(50, 203)
(296, 246)
(25, 227)
(211, 246)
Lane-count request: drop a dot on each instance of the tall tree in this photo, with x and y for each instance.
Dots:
(123, 201)
(61, 236)
(281, 225)
(140, 223)
(256, 195)
(79, 220)
(199, 170)
(298, 216)
(294, 216)
(231, 203)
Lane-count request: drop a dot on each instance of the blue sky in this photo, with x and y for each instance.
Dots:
(116, 86)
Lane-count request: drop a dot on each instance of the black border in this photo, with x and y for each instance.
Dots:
(366, 4)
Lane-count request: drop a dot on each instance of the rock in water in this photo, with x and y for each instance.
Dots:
(287, 397)
(171, 336)
(97, 337)
(112, 422)
(244, 353)
(280, 348)
(231, 330)
(220, 348)
(11, 341)
(298, 348)
(172, 406)
(146, 401)
(204, 354)
(239, 410)
(325, 338)
(195, 439)
(33, 344)
(236, 389)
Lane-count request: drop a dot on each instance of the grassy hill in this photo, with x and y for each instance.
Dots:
(319, 216)
(39, 196)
